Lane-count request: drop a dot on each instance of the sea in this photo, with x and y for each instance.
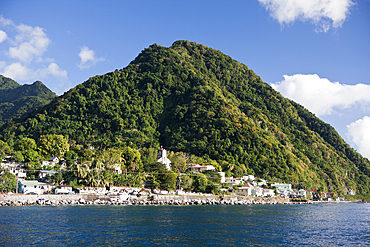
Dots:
(324, 224)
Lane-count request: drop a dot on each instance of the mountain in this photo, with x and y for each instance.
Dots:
(15, 100)
(195, 99)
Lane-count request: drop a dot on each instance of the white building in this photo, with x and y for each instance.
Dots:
(201, 168)
(231, 181)
(249, 178)
(44, 173)
(29, 187)
(13, 167)
(51, 162)
(222, 174)
(282, 187)
(34, 187)
(268, 192)
(162, 158)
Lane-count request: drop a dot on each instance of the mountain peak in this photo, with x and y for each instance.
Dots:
(15, 100)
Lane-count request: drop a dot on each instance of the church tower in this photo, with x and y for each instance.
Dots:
(162, 158)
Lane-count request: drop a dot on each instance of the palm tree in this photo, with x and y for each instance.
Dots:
(80, 170)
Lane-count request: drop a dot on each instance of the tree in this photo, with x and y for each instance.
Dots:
(186, 182)
(4, 149)
(132, 159)
(53, 145)
(80, 170)
(148, 155)
(8, 182)
(56, 178)
(25, 144)
(179, 160)
(160, 177)
(17, 156)
(31, 156)
(201, 182)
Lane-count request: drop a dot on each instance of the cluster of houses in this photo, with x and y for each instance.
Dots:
(250, 186)
(244, 186)
(31, 186)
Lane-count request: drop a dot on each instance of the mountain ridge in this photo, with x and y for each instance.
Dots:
(16, 100)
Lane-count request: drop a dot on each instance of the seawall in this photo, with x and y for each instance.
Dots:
(81, 199)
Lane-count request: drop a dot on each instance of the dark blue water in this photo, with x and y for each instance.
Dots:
(342, 224)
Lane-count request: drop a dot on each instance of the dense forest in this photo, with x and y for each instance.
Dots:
(16, 100)
(197, 100)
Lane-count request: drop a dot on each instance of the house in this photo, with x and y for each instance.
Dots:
(268, 193)
(15, 168)
(249, 178)
(282, 187)
(64, 189)
(43, 173)
(34, 187)
(162, 158)
(328, 196)
(302, 193)
(245, 190)
(29, 187)
(51, 162)
(257, 191)
(196, 168)
(261, 182)
(231, 181)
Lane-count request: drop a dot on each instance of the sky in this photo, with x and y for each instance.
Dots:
(315, 52)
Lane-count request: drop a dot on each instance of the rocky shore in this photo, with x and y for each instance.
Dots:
(174, 200)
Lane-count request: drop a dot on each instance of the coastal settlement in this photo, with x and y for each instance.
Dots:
(52, 177)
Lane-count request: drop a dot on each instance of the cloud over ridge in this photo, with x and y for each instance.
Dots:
(26, 47)
(88, 58)
(321, 96)
(323, 13)
(359, 134)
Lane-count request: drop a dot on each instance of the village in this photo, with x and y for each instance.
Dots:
(245, 186)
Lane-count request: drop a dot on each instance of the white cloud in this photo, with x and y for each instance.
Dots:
(359, 134)
(3, 36)
(323, 13)
(321, 96)
(88, 58)
(31, 43)
(5, 22)
(24, 60)
(53, 70)
(17, 71)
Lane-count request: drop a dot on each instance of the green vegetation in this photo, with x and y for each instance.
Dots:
(16, 100)
(194, 99)
(8, 182)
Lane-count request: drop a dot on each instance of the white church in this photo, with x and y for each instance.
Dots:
(162, 158)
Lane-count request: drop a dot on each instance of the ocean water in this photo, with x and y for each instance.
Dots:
(334, 224)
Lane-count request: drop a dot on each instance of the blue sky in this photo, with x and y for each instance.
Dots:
(312, 51)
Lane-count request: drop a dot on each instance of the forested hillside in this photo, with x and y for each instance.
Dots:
(195, 99)
(16, 100)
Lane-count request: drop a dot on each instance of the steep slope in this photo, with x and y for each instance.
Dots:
(15, 100)
(192, 98)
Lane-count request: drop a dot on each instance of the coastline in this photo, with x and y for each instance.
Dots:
(89, 199)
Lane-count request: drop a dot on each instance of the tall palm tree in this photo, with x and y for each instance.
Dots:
(80, 170)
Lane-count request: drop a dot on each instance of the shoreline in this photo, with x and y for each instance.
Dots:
(86, 199)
